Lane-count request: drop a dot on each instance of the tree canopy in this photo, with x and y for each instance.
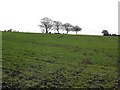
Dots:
(76, 29)
(105, 32)
(68, 27)
(57, 25)
(46, 24)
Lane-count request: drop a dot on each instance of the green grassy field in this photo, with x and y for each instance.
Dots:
(61, 61)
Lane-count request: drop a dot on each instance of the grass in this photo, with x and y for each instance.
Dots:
(33, 60)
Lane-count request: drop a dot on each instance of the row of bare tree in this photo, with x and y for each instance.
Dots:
(48, 24)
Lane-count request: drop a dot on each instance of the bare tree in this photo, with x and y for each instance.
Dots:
(68, 27)
(76, 29)
(46, 24)
(57, 25)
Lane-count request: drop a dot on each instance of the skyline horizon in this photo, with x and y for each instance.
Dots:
(54, 32)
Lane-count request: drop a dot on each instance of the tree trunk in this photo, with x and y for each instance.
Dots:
(58, 30)
(76, 33)
(46, 30)
(67, 32)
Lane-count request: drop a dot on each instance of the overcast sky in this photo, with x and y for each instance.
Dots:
(91, 15)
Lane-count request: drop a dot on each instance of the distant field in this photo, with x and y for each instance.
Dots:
(62, 61)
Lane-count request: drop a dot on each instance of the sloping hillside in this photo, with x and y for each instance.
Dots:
(50, 60)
